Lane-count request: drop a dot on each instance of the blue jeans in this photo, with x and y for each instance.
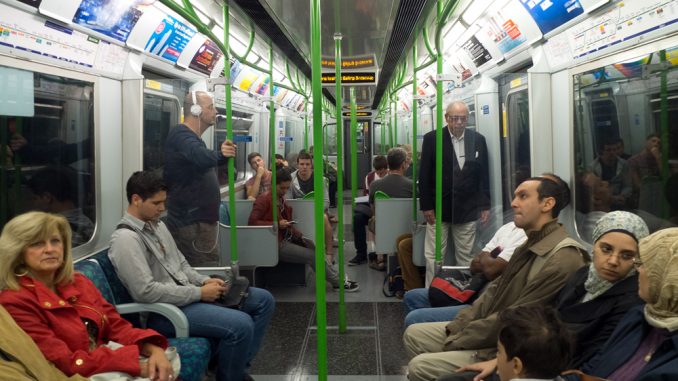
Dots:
(238, 334)
(419, 309)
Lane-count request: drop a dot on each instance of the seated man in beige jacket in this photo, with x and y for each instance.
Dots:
(537, 271)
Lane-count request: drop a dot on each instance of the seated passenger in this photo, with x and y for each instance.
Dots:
(292, 245)
(537, 271)
(395, 185)
(644, 346)
(597, 296)
(63, 312)
(260, 183)
(491, 262)
(21, 359)
(615, 171)
(54, 190)
(302, 183)
(380, 165)
(153, 270)
(280, 161)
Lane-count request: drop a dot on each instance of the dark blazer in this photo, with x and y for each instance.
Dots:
(594, 321)
(623, 344)
(465, 191)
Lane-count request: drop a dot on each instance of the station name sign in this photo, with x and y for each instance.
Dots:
(358, 113)
(354, 78)
(357, 62)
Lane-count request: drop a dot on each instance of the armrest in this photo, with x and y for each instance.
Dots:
(171, 312)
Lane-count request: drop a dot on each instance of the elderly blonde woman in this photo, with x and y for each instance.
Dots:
(63, 312)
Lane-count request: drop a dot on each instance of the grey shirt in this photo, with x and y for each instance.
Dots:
(395, 186)
(146, 274)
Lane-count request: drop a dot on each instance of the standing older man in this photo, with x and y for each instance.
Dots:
(193, 187)
(465, 191)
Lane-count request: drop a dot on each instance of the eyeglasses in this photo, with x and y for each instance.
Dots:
(637, 263)
(455, 118)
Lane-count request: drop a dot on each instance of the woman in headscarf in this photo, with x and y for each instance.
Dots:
(598, 295)
(644, 346)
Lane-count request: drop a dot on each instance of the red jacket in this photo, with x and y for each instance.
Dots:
(54, 323)
(262, 214)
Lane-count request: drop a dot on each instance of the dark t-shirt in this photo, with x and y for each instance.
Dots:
(191, 178)
(305, 186)
(395, 186)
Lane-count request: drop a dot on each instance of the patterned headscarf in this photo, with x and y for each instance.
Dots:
(617, 221)
(659, 254)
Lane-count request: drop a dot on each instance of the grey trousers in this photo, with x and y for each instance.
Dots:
(198, 243)
(290, 252)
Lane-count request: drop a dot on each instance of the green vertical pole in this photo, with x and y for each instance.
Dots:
(318, 183)
(414, 133)
(384, 123)
(272, 136)
(229, 135)
(439, 145)
(395, 124)
(354, 151)
(340, 177)
(664, 131)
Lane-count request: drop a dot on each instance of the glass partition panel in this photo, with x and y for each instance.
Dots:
(626, 141)
(47, 150)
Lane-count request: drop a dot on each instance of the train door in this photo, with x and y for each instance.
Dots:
(515, 133)
(363, 151)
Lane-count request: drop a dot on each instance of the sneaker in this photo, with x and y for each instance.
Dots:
(349, 286)
(357, 261)
(379, 266)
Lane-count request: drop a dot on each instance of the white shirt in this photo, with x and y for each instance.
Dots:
(458, 145)
(508, 237)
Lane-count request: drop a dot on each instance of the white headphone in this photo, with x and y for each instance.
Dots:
(196, 109)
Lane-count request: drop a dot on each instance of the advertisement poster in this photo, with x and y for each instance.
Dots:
(550, 14)
(169, 39)
(479, 54)
(206, 57)
(32, 3)
(113, 18)
(504, 32)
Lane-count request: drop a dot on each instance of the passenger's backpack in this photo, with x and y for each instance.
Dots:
(394, 284)
(452, 287)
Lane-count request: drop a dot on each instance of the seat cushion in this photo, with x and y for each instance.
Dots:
(195, 356)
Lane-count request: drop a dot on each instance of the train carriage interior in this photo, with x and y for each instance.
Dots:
(91, 90)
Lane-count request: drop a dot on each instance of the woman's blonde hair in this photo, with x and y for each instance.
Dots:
(22, 231)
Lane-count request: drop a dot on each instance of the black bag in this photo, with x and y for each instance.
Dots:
(394, 284)
(452, 287)
(237, 294)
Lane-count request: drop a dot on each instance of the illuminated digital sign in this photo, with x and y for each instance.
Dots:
(358, 113)
(356, 62)
(357, 107)
(355, 78)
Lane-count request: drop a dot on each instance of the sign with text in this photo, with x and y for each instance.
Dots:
(358, 114)
(353, 78)
(356, 62)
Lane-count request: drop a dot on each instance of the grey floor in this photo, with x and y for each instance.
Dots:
(371, 349)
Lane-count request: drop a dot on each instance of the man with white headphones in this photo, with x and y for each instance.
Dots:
(193, 187)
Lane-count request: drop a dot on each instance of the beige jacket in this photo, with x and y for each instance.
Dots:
(538, 270)
(20, 358)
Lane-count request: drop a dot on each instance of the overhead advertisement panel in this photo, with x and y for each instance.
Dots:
(169, 39)
(32, 3)
(113, 18)
(550, 14)
(478, 53)
(206, 57)
(511, 28)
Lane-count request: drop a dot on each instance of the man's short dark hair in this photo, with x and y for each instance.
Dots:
(252, 156)
(653, 135)
(279, 156)
(282, 175)
(144, 184)
(535, 335)
(395, 158)
(379, 162)
(551, 185)
(60, 182)
(304, 156)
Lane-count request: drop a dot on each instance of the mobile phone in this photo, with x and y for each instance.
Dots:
(292, 222)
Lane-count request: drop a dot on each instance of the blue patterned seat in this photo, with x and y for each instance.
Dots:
(194, 352)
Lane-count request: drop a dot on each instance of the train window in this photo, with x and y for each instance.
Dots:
(331, 139)
(46, 147)
(626, 141)
(161, 112)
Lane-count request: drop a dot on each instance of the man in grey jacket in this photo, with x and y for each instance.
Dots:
(152, 268)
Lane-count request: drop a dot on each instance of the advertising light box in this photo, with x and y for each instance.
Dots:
(206, 57)
(550, 14)
(477, 51)
(113, 18)
(511, 29)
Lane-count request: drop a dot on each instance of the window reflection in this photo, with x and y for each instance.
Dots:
(626, 143)
(48, 161)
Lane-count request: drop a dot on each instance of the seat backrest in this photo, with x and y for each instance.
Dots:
(93, 271)
(304, 214)
(243, 209)
(393, 217)
(120, 293)
(257, 245)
